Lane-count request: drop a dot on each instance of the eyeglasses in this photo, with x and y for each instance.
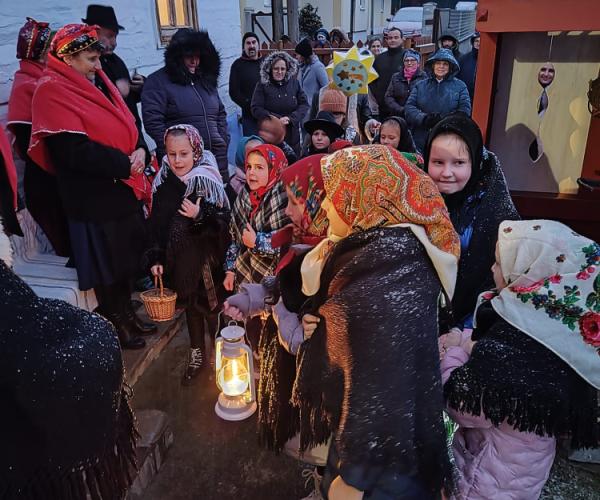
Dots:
(410, 61)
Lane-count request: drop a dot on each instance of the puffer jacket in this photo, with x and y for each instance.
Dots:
(399, 89)
(173, 95)
(495, 462)
(280, 99)
(433, 96)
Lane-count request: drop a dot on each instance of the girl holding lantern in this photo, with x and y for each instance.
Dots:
(188, 224)
(530, 370)
(372, 385)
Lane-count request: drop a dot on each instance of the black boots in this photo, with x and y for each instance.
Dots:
(194, 367)
(128, 336)
(140, 326)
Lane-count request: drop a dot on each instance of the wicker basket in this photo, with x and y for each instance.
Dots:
(159, 302)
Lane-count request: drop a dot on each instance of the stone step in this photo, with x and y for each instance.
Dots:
(156, 437)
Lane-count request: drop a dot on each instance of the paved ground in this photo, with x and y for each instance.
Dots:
(212, 459)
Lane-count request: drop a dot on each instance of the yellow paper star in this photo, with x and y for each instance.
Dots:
(349, 70)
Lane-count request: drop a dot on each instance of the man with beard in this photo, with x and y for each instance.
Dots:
(114, 67)
(386, 64)
(243, 78)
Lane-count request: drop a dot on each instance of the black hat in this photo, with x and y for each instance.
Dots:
(325, 121)
(304, 48)
(102, 15)
(249, 34)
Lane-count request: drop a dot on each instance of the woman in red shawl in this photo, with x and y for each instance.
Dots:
(83, 132)
(41, 190)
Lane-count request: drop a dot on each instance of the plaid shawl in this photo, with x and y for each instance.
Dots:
(251, 265)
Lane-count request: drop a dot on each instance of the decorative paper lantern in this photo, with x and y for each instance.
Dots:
(234, 375)
(351, 72)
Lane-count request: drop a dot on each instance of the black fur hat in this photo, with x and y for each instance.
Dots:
(187, 41)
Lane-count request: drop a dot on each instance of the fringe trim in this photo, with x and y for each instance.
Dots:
(106, 478)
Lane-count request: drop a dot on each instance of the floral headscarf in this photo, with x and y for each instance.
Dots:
(373, 186)
(195, 140)
(277, 162)
(553, 292)
(34, 40)
(73, 38)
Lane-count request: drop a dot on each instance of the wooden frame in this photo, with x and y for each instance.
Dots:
(166, 31)
(494, 17)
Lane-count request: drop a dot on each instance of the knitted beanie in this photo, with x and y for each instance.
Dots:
(304, 48)
(334, 101)
(249, 34)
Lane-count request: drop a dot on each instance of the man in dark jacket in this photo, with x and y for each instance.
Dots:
(386, 65)
(114, 67)
(468, 65)
(185, 91)
(243, 77)
(448, 41)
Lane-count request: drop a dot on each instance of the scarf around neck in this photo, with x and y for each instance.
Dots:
(66, 101)
(21, 95)
(277, 162)
(553, 291)
(374, 186)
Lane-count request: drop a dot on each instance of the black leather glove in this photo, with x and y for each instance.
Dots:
(431, 119)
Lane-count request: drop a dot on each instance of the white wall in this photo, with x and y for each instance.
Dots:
(138, 44)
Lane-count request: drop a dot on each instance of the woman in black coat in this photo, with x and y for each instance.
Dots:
(476, 209)
(279, 93)
(403, 82)
(185, 91)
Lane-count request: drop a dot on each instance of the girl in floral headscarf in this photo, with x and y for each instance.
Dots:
(530, 371)
(369, 376)
(189, 224)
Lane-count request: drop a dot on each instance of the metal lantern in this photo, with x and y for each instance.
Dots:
(235, 375)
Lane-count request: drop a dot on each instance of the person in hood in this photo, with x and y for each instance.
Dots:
(394, 132)
(386, 64)
(468, 65)
(41, 189)
(243, 77)
(279, 94)
(403, 82)
(321, 40)
(312, 73)
(449, 41)
(437, 96)
(185, 91)
(475, 191)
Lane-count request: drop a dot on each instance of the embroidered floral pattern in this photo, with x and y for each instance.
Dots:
(537, 227)
(560, 258)
(507, 230)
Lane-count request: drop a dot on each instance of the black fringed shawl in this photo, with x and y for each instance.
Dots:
(184, 245)
(512, 377)
(66, 428)
(370, 373)
(278, 419)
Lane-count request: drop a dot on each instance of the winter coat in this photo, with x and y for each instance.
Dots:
(243, 77)
(468, 70)
(433, 96)
(280, 99)
(455, 48)
(496, 462)
(386, 64)
(399, 89)
(172, 95)
(312, 77)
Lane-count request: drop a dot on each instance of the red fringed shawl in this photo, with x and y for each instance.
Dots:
(21, 95)
(9, 164)
(66, 101)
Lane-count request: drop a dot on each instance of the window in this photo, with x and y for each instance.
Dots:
(175, 14)
(361, 4)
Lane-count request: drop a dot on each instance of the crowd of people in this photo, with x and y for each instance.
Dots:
(375, 253)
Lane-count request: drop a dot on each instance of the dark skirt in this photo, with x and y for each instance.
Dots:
(107, 252)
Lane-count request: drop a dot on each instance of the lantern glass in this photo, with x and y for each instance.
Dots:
(234, 375)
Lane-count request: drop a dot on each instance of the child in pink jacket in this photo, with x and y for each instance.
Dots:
(530, 370)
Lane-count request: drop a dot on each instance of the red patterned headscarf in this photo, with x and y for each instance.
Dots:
(33, 41)
(73, 38)
(277, 162)
(373, 186)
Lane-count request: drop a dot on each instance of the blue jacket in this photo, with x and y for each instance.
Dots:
(433, 96)
(312, 77)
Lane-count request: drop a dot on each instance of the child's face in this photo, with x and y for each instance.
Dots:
(320, 140)
(336, 225)
(450, 163)
(180, 154)
(257, 171)
(389, 135)
(497, 271)
(295, 209)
